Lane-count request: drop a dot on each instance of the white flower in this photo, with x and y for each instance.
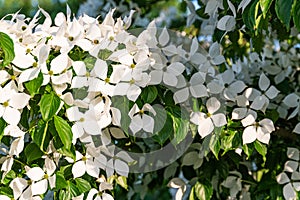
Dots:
(140, 120)
(179, 184)
(207, 122)
(84, 122)
(292, 101)
(292, 182)
(261, 102)
(164, 71)
(10, 104)
(258, 130)
(130, 85)
(42, 53)
(232, 87)
(58, 73)
(85, 163)
(233, 182)
(195, 87)
(41, 177)
(100, 194)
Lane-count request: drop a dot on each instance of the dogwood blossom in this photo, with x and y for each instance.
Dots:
(207, 121)
(140, 120)
(258, 130)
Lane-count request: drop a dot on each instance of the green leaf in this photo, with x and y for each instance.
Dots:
(296, 14)
(181, 128)
(6, 191)
(64, 195)
(32, 152)
(122, 103)
(192, 194)
(73, 189)
(265, 6)
(61, 182)
(82, 185)
(261, 149)
(8, 177)
(2, 126)
(162, 136)
(249, 15)
(34, 85)
(203, 191)
(283, 10)
(7, 46)
(49, 105)
(215, 145)
(149, 94)
(64, 131)
(122, 181)
(248, 149)
(41, 136)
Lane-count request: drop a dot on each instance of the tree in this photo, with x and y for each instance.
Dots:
(91, 109)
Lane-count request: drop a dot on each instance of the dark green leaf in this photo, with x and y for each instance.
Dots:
(40, 135)
(162, 136)
(149, 94)
(73, 189)
(32, 152)
(61, 182)
(283, 10)
(2, 126)
(34, 85)
(7, 46)
(204, 190)
(82, 185)
(6, 191)
(265, 6)
(296, 14)
(49, 105)
(123, 104)
(64, 131)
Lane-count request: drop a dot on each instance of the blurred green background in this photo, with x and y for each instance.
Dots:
(29, 7)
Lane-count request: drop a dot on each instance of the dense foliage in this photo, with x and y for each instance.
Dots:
(93, 109)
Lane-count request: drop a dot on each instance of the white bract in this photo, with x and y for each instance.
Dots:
(208, 121)
(258, 130)
(140, 120)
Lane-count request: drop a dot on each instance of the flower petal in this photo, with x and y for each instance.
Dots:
(249, 135)
(78, 169)
(35, 173)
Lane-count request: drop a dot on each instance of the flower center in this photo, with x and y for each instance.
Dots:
(106, 80)
(84, 158)
(23, 28)
(28, 50)
(29, 182)
(208, 114)
(132, 66)
(13, 77)
(50, 72)
(71, 38)
(5, 104)
(87, 74)
(96, 41)
(132, 81)
(35, 64)
(81, 119)
(46, 176)
(141, 112)
(111, 38)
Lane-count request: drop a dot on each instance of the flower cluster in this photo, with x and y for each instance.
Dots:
(76, 88)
